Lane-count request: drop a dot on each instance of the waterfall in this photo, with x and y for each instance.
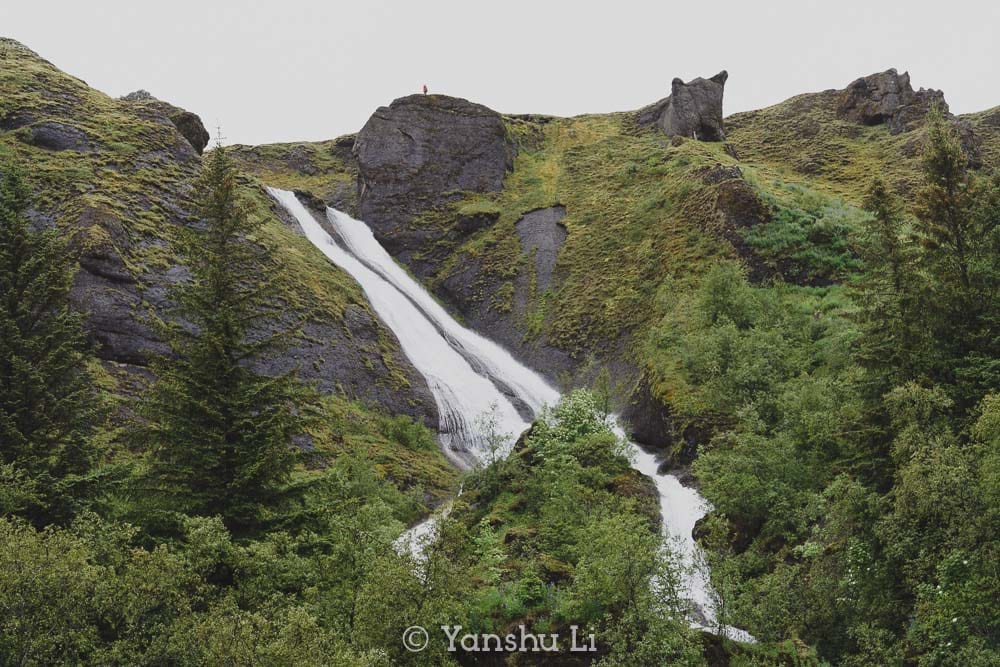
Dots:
(470, 375)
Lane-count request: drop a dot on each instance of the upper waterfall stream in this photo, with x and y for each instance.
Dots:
(470, 375)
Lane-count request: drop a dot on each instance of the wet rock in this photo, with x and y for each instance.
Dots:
(649, 419)
(693, 109)
(542, 234)
(347, 359)
(498, 309)
(642, 489)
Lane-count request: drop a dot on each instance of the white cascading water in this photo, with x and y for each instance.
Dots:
(471, 376)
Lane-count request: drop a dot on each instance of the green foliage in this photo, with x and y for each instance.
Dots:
(807, 240)
(958, 233)
(48, 408)
(565, 534)
(221, 435)
(848, 446)
(86, 595)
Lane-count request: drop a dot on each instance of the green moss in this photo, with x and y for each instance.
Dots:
(986, 126)
(802, 140)
(404, 452)
(323, 168)
(632, 218)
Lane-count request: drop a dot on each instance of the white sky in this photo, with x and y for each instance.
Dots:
(298, 70)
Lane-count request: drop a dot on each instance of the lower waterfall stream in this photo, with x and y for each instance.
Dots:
(469, 376)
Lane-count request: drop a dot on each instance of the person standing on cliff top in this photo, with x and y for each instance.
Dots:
(425, 89)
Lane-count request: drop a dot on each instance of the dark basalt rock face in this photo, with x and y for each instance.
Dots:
(187, 123)
(542, 235)
(693, 109)
(887, 97)
(478, 299)
(56, 136)
(120, 291)
(414, 157)
(111, 294)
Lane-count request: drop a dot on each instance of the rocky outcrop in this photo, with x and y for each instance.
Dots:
(415, 157)
(888, 98)
(55, 136)
(693, 109)
(187, 123)
(127, 191)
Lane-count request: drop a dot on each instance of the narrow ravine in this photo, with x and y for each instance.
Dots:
(470, 375)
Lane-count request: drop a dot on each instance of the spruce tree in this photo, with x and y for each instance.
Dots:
(886, 293)
(945, 224)
(48, 410)
(221, 434)
(956, 231)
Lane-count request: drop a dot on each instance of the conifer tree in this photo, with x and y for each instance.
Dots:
(945, 224)
(47, 408)
(221, 434)
(956, 231)
(886, 293)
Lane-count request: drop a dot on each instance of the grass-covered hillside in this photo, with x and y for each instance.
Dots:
(782, 195)
(118, 178)
(210, 445)
(325, 168)
(811, 308)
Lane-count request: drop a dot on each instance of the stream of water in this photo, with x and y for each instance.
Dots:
(470, 376)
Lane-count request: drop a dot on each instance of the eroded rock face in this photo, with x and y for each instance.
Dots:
(887, 97)
(693, 109)
(499, 309)
(542, 234)
(414, 157)
(187, 123)
(55, 136)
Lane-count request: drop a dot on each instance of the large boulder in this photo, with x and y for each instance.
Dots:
(418, 155)
(693, 109)
(888, 98)
(187, 123)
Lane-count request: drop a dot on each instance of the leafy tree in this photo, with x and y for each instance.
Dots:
(221, 434)
(48, 410)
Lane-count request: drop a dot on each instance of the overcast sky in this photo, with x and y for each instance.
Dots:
(298, 70)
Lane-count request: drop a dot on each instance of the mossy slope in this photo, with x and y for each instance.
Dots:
(118, 177)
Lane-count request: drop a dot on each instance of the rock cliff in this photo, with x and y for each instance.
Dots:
(187, 123)
(416, 157)
(693, 109)
(117, 176)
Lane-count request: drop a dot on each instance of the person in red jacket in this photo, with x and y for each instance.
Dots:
(425, 89)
